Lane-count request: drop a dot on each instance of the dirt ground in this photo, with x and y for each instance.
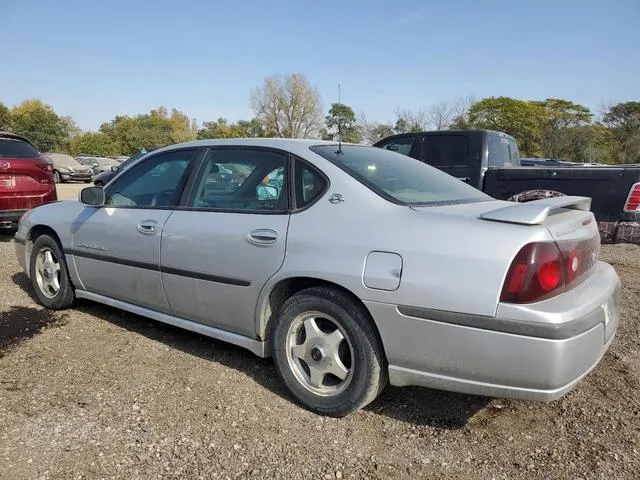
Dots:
(97, 393)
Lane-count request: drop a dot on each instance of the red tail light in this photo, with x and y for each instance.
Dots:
(632, 205)
(543, 270)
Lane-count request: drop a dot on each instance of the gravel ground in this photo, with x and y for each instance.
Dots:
(96, 393)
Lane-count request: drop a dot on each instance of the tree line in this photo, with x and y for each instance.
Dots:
(289, 106)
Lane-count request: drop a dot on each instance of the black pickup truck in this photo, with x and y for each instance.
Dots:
(490, 161)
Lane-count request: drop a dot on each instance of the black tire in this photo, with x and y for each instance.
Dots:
(65, 296)
(368, 368)
(56, 176)
(87, 181)
(98, 183)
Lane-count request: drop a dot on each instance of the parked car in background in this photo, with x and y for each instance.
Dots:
(351, 265)
(26, 179)
(68, 169)
(97, 164)
(102, 178)
(490, 161)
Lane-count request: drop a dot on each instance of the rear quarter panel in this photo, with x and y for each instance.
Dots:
(450, 259)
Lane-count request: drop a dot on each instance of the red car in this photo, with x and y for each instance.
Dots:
(26, 179)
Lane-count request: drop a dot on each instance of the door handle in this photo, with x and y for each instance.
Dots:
(263, 236)
(148, 227)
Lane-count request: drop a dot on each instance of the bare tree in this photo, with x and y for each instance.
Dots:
(373, 131)
(440, 114)
(460, 112)
(288, 106)
(411, 121)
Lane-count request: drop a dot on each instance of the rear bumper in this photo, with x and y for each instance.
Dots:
(10, 218)
(534, 352)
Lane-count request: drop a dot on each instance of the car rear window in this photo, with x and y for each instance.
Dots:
(14, 148)
(446, 150)
(398, 178)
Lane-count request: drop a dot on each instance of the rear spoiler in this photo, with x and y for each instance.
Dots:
(536, 212)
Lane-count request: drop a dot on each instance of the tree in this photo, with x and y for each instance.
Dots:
(460, 113)
(515, 117)
(149, 131)
(288, 106)
(39, 123)
(624, 121)
(221, 128)
(5, 117)
(181, 126)
(93, 143)
(440, 114)
(410, 121)
(556, 115)
(341, 124)
(373, 131)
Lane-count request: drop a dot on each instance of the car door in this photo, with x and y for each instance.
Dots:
(221, 246)
(116, 248)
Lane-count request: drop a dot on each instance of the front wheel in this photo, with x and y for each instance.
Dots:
(56, 177)
(327, 352)
(49, 274)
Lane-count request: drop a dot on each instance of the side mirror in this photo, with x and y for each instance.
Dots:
(114, 168)
(92, 196)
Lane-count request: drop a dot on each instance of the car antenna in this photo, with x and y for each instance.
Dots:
(339, 129)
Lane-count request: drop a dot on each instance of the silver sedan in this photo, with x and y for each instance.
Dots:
(353, 266)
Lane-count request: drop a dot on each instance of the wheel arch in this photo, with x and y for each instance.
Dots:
(274, 296)
(34, 232)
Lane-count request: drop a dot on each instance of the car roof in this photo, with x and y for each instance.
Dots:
(293, 145)
(15, 136)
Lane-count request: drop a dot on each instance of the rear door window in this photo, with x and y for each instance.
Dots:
(401, 145)
(14, 148)
(500, 154)
(445, 150)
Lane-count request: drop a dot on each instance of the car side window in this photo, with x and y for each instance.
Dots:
(242, 180)
(499, 152)
(309, 185)
(153, 183)
(401, 145)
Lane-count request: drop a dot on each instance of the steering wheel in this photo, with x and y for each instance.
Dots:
(156, 201)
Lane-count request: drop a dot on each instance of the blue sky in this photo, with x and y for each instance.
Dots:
(93, 60)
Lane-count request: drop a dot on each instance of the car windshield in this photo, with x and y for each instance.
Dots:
(398, 178)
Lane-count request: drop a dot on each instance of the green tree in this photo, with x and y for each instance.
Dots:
(146, 131)
(556, 115)
(182, 127)
(93, 143)
(221, 128)
(624, 121)
(5, 117)
(515, 117)
(39, 123)
(341, 124)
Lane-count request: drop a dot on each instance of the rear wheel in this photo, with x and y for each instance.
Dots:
(49, 274)
(327, 352)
